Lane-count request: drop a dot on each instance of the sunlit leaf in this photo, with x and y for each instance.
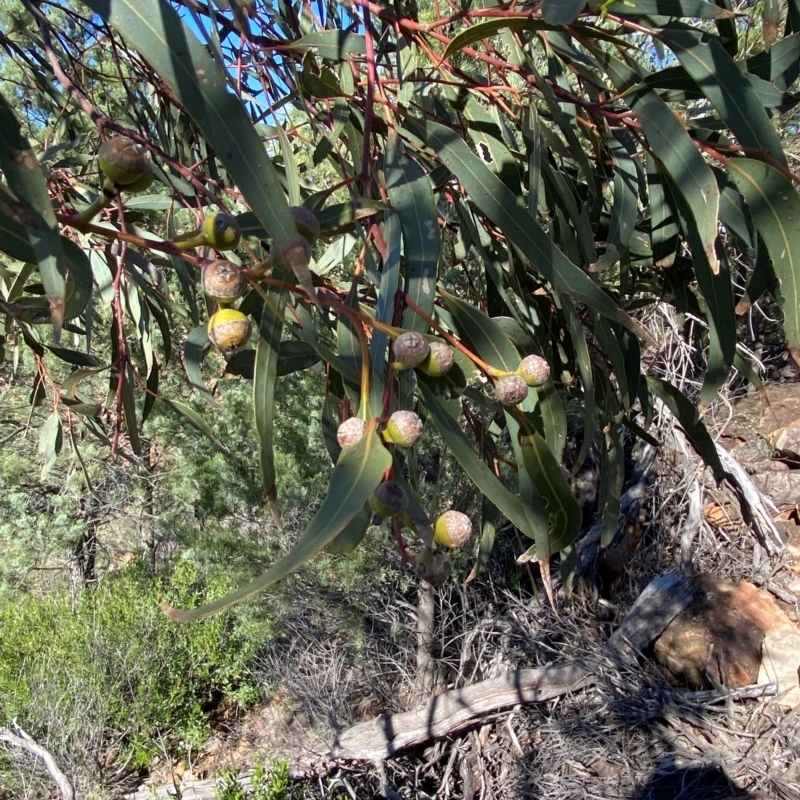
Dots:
(775, 207)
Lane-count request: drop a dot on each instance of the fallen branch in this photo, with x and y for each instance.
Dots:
(662, 600)
(25, 742)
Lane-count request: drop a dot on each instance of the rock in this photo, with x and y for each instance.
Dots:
(781, 663)
(764, 412)
(788, 441)
(752, 452)
(781, 487)
(719, 634)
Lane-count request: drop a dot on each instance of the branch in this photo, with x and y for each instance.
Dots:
(25, 742)
(663, 599)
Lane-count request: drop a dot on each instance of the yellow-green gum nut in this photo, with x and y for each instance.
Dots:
(534, 370)
(306, 222)
(389, 499)
(140, 185)
(452, 529)
(403, 428)
(350, 432)
(229, 328)
(439, 362)
(410, 350)
(223, 281)
(221, 231)
(123, 162)
(511, 390)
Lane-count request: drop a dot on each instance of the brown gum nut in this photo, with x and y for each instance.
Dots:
(123, 161)
(350, 432)
(306, 222)
(511, 390)
(411, 349)
(223, 281)
(389, 499)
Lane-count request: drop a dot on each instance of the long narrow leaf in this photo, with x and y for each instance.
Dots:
(356, 475)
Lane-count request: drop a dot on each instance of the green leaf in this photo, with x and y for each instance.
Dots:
(151, 394)
(385, 308)
(561, 12)
(26, 181)
(193, 354)
(498, 203)
(548, 478)
(412, 198)
(156, 30)
(353, 533)
(265, 376)
(689, 172)
(668, 8)
(728, 89)
(357, 473)
(50, 442)
(507, 503)
(488, 28)
(129, 410)
(686, 414)
(198, 422)
(332, 45)
(488, 339)
(775, 209)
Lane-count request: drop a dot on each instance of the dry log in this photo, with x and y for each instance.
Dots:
(25, 742)
(662, 600)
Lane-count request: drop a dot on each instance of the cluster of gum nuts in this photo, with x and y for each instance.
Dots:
(404, 428)
(126, 167)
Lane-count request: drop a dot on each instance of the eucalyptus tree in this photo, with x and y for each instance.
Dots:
(377, 190)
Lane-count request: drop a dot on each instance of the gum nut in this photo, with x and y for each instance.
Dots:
(440, 360)
(122, 161)
(141, 184)
(389, 499)
(511, 390)
(534, 370)
(411, 349)
(350, 432)
(223, 281)
(306, 222)
(221, 231)
(229, 328)
(453, 529)
(403, 428)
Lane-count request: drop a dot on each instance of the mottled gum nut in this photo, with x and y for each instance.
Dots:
(223, 281)
(410, 349)
(306, 222)
(350, 432)
(389, 499)
(123, 162)
(403, 428)
(221, 231)
(229, 328)
(439, 362)
(511, 390)
(453, 529)
(534, 370)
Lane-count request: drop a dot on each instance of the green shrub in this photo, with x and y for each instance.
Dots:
(109, 679)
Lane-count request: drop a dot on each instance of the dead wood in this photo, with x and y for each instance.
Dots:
(663, 599)
(23, 741)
